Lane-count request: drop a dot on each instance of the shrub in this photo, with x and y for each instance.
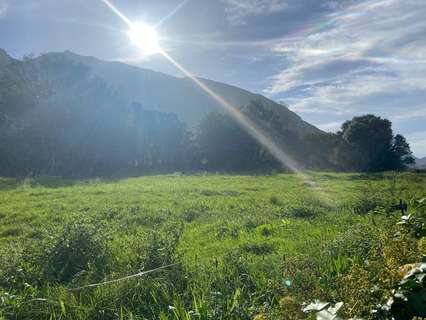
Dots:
(81, 248)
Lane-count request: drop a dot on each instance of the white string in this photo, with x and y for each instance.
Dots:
(93, 285)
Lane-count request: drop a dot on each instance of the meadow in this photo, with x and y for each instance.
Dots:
(235, 246)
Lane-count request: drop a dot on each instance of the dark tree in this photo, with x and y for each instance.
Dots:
(402, 152)
(328, 151)
(225, 145)
(374, 146)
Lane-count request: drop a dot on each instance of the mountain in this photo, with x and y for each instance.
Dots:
(5, 59)
(420, 163)
(165, 93)
(153, 90)
(63, 104)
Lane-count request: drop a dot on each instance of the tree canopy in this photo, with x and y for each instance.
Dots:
(375, 148)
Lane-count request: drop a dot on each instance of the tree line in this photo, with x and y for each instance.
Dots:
(92, 131)
(70, 140)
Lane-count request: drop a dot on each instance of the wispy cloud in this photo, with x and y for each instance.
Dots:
(237, 10)
(330, 126)
(368, 56)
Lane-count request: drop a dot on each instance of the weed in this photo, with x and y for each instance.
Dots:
(79, 250)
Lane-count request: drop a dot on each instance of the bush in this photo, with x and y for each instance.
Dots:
(80, 249)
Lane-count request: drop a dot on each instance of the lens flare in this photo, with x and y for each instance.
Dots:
(139, 37)
(173, 12)
(257, 133)
(117, 12)
(248, 124)
(144, 37)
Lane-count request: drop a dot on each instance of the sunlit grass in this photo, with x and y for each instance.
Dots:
(230, 234)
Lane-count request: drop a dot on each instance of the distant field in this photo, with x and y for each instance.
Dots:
(235, 240)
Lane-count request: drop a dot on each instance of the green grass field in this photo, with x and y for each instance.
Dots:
(242, 247)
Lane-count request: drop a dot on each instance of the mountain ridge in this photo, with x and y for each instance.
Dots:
(420, 163)
(142, 85)
(4, 57)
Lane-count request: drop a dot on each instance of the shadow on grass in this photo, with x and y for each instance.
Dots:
(62, 182)
(49, 182)
(54, 182)
(8, 183)
(366, 176)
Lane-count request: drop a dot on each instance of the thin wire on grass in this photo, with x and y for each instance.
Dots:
(94, 285)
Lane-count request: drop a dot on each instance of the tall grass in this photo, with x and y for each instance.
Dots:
(250, 247)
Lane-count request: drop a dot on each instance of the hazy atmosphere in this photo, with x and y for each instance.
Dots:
(328, 60)
(212, 159)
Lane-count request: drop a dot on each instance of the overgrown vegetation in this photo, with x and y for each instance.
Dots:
(241, 247)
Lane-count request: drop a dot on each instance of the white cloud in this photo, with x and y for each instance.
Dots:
(367, 37)
(330, 126)
(237, 10)
(366, 57)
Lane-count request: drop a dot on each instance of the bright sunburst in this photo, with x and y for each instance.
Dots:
(144, 37)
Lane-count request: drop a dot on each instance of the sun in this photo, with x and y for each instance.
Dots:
(144, 37)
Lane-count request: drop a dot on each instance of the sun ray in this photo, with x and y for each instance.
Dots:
(257, 133)
(249, 125)
(172, 13)
(117, 12)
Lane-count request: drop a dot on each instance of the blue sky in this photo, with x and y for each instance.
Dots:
(328, 60)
